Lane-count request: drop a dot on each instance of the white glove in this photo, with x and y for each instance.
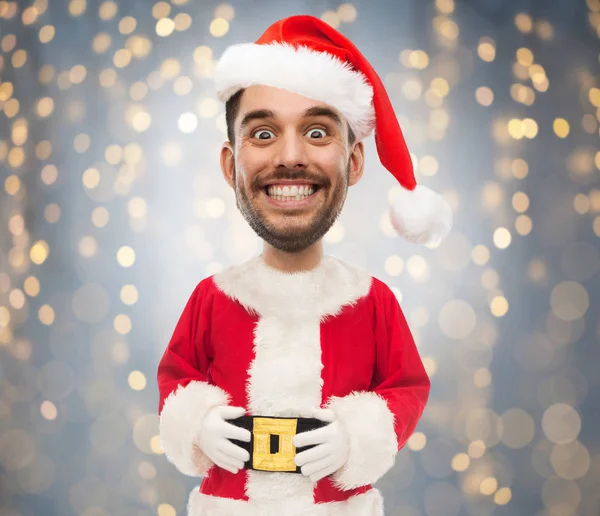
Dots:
(331, 452)
(214, 434)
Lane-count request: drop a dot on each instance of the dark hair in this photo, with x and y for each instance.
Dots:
(232, 108)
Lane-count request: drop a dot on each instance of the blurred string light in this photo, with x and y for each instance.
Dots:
(101, 139)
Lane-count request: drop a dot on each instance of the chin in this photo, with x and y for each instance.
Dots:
(291, 229)
(293, 245)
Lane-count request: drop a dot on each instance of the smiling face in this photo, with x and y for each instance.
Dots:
(290, 165)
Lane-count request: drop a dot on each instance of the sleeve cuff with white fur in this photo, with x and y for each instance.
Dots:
(369, 424)
(180, 419)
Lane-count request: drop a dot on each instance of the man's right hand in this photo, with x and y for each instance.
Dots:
(215, 432)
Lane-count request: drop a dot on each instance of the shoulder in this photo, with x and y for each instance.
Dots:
(350, 271)
(383, 296)
(382, 289)
(346, 283)
(346, 272)
(204, 289)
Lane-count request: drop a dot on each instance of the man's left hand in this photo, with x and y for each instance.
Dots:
(331, 450)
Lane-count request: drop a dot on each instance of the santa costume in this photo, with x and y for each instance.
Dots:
(284, 344)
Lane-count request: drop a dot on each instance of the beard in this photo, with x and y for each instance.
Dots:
(293, 239)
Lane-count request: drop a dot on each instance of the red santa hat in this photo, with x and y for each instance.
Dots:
(305, 55)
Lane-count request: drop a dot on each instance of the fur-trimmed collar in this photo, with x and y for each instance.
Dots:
(321, 291)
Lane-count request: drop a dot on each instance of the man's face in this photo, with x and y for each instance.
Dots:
(291, 166)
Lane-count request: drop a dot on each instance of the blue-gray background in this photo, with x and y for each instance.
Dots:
(113, 207)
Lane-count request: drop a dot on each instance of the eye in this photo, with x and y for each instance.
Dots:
(315, 132)
(263, 134)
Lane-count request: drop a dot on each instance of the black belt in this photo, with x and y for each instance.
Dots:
(271, 446)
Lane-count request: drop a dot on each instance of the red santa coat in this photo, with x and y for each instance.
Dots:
(281, 344)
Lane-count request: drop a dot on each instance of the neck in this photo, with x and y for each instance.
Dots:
(304, 260)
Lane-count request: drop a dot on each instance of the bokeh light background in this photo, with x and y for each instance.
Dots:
(113, 207)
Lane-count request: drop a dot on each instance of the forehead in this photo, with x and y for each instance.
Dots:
(283, 103)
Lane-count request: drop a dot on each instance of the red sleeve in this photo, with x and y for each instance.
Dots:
(400, 376)
(185, 392)
(379, 421)
(185, 358)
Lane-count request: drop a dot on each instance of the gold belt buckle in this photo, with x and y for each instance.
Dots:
(282, 460)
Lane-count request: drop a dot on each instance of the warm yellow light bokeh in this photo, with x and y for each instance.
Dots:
(113, 208)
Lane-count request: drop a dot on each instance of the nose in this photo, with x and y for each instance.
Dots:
(290, 152)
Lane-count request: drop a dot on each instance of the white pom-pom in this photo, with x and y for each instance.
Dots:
(421, 216)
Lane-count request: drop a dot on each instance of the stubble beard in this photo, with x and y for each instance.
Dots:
(292, 239)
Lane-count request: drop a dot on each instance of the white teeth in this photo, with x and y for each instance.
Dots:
(290, 193)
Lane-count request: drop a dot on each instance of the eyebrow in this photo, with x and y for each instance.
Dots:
(256, 115)
(323, 111)
(260, 114)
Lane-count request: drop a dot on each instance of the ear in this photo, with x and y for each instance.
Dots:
(228, 164)
(357, 163)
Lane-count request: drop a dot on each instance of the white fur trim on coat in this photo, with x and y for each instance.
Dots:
(307, 72)
(180, 419)
(369, 424)
(314, 294)
(421, 216)
(364, 504)
(284, 379)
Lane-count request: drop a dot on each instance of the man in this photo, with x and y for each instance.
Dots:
(291, 381)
